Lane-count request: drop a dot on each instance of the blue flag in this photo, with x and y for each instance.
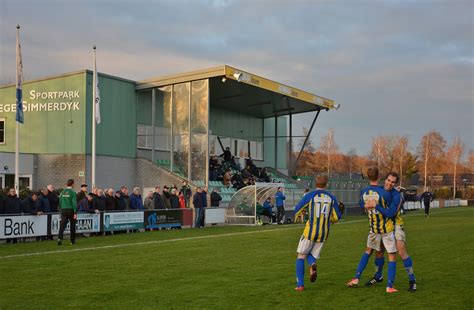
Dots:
(19, 80)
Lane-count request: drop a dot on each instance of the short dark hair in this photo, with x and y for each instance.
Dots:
(70, 182)
(321, 181)
(393, 174)
(373, 173)
(83, 185)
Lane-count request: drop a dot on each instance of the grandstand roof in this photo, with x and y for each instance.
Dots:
(238, 90)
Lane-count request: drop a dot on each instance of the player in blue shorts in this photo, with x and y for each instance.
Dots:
(322, 210)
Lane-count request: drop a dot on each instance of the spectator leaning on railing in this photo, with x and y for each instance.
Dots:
(29, 204)
(53, 199)
(166, 197)
(43, 202)
(148, 204)
(12, 202)
(158, 202)
(2, 203)
(136, 202)
(174, 199)
(111, 202)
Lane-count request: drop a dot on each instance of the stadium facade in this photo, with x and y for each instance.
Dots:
(174, 121)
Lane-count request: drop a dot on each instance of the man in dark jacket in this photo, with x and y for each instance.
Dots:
(204, 204)
(53, 199)
(427, 197)
(227, 155)
(29, 205)
(197, 202)
(136, 202)
(12, 202)
(186, 190)
(158, 202)
(12, 206)
(2, 203)
(215, 198)
(82, 193)
(43, 202)
(166, 197)
(124, 198)
(111, 203)
(121, 206)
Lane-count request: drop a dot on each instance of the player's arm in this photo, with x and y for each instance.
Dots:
(361, 199)
(392, 208)
(303, 204)
(335, 214)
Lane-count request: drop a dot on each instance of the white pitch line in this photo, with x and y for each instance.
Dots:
(114, 246)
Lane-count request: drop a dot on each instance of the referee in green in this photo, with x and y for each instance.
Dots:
(67, 204)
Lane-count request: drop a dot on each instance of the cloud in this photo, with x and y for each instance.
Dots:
(393, 65)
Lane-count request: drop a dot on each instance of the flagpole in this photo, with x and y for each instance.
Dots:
(17, 131)
(94, 83)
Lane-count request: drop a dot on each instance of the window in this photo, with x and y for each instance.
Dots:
(2, 130)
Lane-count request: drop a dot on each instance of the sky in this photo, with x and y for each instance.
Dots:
(395, 67)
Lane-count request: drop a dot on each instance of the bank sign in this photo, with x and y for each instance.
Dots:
(47, 101)
(23, 226)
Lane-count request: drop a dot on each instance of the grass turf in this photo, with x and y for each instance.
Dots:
(239, 267)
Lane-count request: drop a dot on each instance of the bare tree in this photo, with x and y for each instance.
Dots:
(352, 155)
(431, 152)
(329, 147)
(378, 148)
(455, 153)
(401, 147)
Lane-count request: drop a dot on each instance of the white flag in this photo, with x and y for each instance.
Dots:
(19, 80)
(97, 93)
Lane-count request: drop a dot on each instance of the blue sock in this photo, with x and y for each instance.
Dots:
(392, 270)
(379, 262)
(409, 268)
(362, 264)
(300, 271)
(310, 260)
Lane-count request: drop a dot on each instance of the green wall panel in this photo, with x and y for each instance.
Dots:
(117, 132)
(236, 125)
(55, 123)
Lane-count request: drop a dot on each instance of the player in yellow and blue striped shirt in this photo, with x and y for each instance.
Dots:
(322, 208)
(380, 207)
(389, 184)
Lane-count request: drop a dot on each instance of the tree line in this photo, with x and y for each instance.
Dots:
(432, 158)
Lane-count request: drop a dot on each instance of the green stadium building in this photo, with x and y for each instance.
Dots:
(154, 131)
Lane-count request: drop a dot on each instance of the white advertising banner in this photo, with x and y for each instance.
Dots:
(215, 215)
(23, 226)
(86, 223)
(123, 220)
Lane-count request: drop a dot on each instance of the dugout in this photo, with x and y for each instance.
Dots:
(185, 118)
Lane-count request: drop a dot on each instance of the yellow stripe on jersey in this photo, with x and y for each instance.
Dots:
(377, 222)
(321, 211)
(398, 218)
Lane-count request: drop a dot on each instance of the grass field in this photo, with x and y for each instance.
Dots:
(239, 267)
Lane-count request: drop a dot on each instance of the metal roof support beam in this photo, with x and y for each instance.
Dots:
(306, 140)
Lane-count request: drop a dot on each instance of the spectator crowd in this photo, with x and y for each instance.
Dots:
(230, 173)
(96, 200)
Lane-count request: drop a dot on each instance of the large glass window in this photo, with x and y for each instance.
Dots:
(163, 119)
(181, 93)
(141, 136)
(199, 130)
